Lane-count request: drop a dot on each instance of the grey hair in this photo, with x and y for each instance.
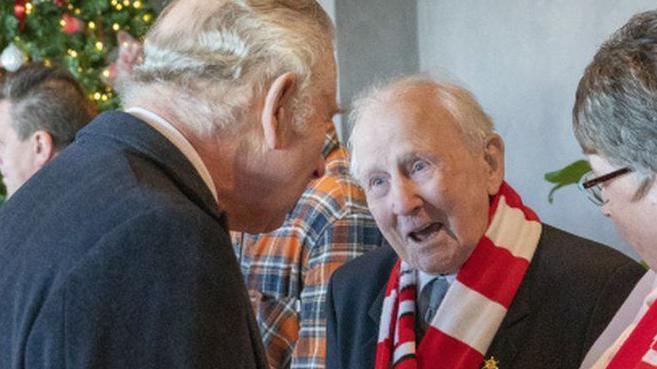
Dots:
(46, 98)
(459, 103)
(615, 111)
(209, 60)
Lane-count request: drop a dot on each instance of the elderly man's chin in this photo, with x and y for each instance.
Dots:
(436, 263)
(438, 255)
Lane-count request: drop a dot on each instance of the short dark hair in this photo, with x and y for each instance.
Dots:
(46, 98)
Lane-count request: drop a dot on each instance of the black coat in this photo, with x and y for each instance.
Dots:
(115, 256)
(571, 290)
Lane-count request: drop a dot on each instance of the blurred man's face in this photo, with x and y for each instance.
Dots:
(426, 188)
(17, 157)
(276, 180)
(300, 163)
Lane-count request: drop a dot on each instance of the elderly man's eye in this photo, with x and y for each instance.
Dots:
(375, 182)
(376, 186)
(418, 166)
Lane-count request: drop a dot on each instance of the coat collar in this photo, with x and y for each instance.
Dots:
(138, 136)
(389, 258)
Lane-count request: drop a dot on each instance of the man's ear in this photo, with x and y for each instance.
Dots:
(276, 110)
(43, 146)
(494, 157)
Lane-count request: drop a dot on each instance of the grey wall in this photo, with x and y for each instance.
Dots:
(375, 39)
(329, 7)
(523, 59)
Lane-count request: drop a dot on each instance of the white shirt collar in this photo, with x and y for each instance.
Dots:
(169, 131)
(424, 278)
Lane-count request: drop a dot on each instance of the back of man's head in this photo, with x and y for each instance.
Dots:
(208, 59)
(48, 99)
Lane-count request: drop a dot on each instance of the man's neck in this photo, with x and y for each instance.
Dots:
(202, 154)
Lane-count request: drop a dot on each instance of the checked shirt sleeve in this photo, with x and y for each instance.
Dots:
(287, 271)
(343, 240)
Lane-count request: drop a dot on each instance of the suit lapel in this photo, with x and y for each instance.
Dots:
(138, 136)
(375, 309)
(514, 326)
(374, 312)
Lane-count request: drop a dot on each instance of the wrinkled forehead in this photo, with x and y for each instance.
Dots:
(391, 131)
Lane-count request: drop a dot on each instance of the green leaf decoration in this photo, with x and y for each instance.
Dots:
(566, 176)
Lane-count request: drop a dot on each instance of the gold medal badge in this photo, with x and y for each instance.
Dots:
(491, 363)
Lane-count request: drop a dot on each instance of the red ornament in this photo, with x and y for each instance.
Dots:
(20, 13)
(59, 3)
(71, 24)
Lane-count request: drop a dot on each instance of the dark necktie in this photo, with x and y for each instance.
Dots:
(430, 298)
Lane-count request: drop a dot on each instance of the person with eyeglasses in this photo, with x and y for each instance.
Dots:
(615, 122)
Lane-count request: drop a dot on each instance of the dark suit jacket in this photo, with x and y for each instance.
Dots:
(115, 256)
(571, 290)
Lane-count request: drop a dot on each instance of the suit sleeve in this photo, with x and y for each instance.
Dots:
(159, 291)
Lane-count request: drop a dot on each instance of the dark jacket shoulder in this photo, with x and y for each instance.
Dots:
(571, 290)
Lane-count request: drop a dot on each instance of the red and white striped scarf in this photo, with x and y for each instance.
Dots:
(476, 302)
(639, 351)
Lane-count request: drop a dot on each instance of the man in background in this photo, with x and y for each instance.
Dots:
(117, 255)
(287, 271)
(41, 110)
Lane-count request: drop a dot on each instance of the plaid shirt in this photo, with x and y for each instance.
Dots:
(287, 271)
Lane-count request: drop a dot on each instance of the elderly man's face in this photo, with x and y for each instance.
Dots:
(427, 190)
(17, 159)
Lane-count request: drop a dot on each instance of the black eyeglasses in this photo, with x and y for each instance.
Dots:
(591, 185)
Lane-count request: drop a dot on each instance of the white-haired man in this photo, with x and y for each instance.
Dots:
(496, 288)
(117, 255)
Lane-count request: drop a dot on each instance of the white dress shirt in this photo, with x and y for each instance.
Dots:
(423, 278)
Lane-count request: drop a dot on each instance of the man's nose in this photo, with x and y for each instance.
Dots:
(406, 200)
(320, 168)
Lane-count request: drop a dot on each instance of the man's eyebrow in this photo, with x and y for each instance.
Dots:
(369, 172)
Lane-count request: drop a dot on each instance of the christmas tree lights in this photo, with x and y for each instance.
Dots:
(80, 36)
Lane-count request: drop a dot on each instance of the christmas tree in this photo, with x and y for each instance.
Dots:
(78, 35)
